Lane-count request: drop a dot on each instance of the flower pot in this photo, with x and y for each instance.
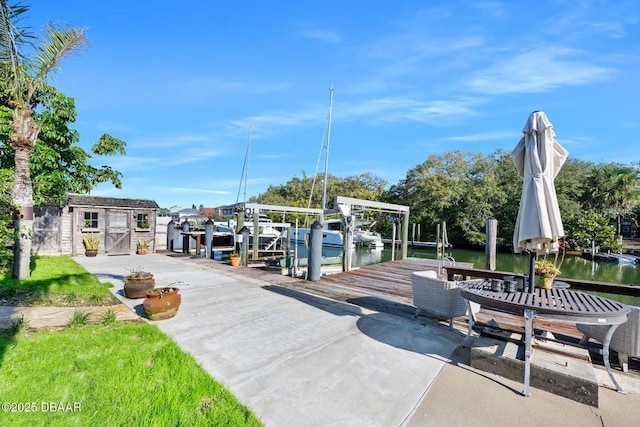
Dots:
(545, 281)
(90, 252)
(136, 287)
(235, 261)
(161, 303)
(141, 251)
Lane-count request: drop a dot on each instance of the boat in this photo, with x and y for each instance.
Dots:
(271, 235)
(367, 238)
(613, 258)
(330, 238)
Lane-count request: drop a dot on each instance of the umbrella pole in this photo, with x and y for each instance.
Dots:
(532, 263)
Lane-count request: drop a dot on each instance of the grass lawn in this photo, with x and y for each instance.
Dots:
(127, 373)
(56, 281)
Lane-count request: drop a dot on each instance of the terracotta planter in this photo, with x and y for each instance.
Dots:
(141, 251)
(161, 303)
(90, 252)
(136, 287)
(545, 281)
(235, 261)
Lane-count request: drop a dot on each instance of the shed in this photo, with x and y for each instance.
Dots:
(119, 223)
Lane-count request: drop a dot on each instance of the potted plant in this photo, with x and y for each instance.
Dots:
(234, 258)
(91, 243)
(142, 246)
(161, 303)
(546, 271)
(137, 282)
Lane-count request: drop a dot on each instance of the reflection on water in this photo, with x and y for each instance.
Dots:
(572, 267)
(360, 256)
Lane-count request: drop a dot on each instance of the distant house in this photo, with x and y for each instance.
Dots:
(627, 227)
(119, 223)
(209, 212)
(229, 210)
(184, 213)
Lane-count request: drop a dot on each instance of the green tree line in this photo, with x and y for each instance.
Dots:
(466, 189)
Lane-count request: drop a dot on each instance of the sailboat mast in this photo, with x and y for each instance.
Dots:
(326, 157)
(245, 172)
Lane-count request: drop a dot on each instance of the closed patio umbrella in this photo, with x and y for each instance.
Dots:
(538, 158)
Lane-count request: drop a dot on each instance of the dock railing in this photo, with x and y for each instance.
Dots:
(576, 284)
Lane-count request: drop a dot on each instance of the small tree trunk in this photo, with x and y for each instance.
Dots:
(23, 138)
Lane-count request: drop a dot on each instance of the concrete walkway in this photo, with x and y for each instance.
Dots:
(294, 358)
(298, 359)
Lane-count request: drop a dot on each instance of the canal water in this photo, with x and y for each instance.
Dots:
(572, 266)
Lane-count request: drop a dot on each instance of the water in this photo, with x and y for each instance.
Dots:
(572, 267)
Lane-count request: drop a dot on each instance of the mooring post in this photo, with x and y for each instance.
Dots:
(393, 242)
(243, 240)
(347, 242)
(490, 244)
(315, 252)
(172, 235)
(186, 243)
(438, 242)
(405, 235)
(413, 234)
(208, 238)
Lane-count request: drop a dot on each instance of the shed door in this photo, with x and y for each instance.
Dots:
(118, 233)
(46, 228)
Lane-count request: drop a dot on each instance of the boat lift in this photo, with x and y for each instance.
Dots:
(346, 206)
(254, 209)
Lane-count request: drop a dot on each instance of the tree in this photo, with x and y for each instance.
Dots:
(616, 190)
(593, 227)
(297, 192)
(57, 165)
(463, 189)
(25, 65)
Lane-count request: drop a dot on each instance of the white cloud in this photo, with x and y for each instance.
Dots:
(538, 70)
(207, 85)
(486, 136)
(187, 190)
(402, 109)
(174, 141)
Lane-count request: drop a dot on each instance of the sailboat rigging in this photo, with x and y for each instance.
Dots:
(324, 148)
(245, 172)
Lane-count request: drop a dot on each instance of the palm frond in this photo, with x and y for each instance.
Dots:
(49, 53)
(11, 37)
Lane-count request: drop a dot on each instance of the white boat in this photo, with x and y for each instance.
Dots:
(367, 238)
(330, 238)
(271, 235)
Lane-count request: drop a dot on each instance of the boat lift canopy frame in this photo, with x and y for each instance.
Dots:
(256, 208)
(346, 205)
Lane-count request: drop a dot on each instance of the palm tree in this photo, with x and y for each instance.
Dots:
(25, 64)
(616, 190)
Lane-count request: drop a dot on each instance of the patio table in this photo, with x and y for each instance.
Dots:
(559, 304)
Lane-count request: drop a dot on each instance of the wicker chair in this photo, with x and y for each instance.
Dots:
(625, 340)
(437, 297)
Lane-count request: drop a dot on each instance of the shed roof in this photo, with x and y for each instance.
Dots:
(109, 202)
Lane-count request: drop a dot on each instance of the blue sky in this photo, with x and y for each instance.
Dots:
(182, 82)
